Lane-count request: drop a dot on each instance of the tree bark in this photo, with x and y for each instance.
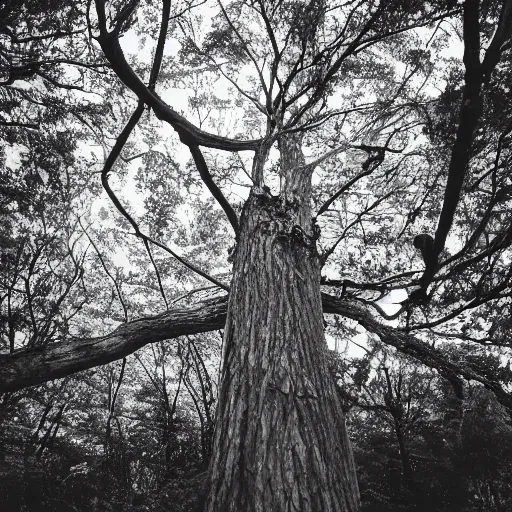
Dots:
(30, 367)
(280, 440)
(26, 367)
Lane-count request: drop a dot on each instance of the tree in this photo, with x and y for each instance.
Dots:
(420, 447)
(388, 150)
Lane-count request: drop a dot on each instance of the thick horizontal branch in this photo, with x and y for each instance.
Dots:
(27, 368)
(410, 345)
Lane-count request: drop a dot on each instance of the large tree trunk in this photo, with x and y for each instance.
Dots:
(280, 440)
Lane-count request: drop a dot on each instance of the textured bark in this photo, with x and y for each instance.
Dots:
(280, 440)
(29, 367)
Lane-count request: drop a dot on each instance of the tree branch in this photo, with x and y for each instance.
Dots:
(368, 168)
(112, 157)
(30, 367)
(470, 113)
(213, 188)
(189, 134)
(414, 347)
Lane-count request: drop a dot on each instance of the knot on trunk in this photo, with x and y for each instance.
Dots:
(288, 232)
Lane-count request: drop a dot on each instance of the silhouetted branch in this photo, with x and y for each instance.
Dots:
(216, 192)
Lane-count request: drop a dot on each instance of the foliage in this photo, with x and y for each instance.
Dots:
(405, 137)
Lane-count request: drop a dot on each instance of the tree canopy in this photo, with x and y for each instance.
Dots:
(133, 135)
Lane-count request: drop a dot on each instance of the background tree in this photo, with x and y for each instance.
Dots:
(422, 450)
